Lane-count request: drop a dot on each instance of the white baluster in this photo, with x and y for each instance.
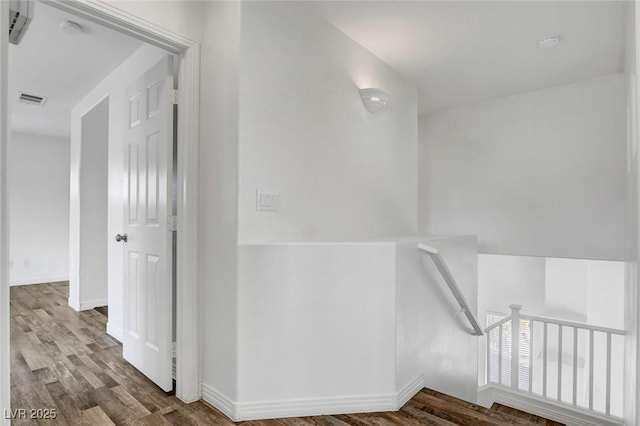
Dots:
(531, 327)
(590, 369)
(544, 361)
(608, 410)
(500, 354)
(515, 345)
(559, 362)
(489, 356)
(575, 366)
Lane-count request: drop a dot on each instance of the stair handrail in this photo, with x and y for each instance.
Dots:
(579, 325)
(442, 267)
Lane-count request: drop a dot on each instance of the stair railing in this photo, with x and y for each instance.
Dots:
(519, 367)
(453, 286)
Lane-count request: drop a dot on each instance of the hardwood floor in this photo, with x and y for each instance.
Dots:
(64, 360)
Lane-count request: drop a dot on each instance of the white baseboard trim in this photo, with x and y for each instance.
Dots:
(543, 407)
(409, 390)
(115, 332)
(37, 280)
(75, 304)
(315, 407)
(86, 305)
(242, 411)
(219, 400)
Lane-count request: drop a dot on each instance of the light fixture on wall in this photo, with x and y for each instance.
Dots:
(374, 99)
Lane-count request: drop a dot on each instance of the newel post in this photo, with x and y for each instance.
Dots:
(515, 345)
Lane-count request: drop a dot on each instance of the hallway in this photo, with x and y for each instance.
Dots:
(64, 360)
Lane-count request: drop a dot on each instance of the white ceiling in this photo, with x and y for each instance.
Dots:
(60, 66)
(464, 52)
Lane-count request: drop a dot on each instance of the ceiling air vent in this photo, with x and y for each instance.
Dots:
(28, 99)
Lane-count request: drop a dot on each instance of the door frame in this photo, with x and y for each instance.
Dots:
(187, 312)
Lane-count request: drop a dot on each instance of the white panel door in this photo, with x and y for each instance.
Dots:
(148, 316)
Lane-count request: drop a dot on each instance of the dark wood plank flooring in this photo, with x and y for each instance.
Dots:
(64, 360)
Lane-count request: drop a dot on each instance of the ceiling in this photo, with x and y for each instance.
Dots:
(464, 52)
(60, 66)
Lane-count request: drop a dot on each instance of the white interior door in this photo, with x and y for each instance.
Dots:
(148, 299)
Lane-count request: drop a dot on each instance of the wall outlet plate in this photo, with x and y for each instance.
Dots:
(267, 201)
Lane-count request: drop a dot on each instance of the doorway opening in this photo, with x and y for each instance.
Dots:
(92, 123)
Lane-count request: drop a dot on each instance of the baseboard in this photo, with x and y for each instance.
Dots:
(544, 407)
(315, 407)
(86, 305)
(409, 390)
(115, 332)
(219, 401)
(242, 411)
(37, 280)
(75, 304)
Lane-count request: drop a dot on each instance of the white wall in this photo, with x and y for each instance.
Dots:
(94, 180)
(581, 290)
(182, 17)
(5, 366)
(218, 197)
(350, 326)
(506, 280)
(566, 283)
(317, 323)
(605, 294)
(538, 174)
(430, 338)
(38, 209)
(585, 290)
(113, 87)
(632, 236)
(341, 172)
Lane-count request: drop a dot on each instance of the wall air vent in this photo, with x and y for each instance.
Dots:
(28, 99)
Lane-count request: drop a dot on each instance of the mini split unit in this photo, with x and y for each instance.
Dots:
(20, 16)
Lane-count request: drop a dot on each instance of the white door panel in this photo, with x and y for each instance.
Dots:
(148, 318)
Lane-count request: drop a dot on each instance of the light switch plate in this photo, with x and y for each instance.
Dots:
(267, 201)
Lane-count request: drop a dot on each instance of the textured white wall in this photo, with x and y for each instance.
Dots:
(342, 173)
(538, 174)
(38, 209)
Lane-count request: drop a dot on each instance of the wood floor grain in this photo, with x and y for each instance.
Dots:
(63, 360)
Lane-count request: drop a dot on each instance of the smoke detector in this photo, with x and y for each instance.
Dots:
(28, 99)
(549, 41)
(70, 27)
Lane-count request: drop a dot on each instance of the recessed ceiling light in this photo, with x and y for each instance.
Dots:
(548, 41)
(70, 27)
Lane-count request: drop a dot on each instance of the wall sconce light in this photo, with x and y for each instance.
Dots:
(374, 99)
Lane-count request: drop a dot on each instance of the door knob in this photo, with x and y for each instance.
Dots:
(121, 237)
